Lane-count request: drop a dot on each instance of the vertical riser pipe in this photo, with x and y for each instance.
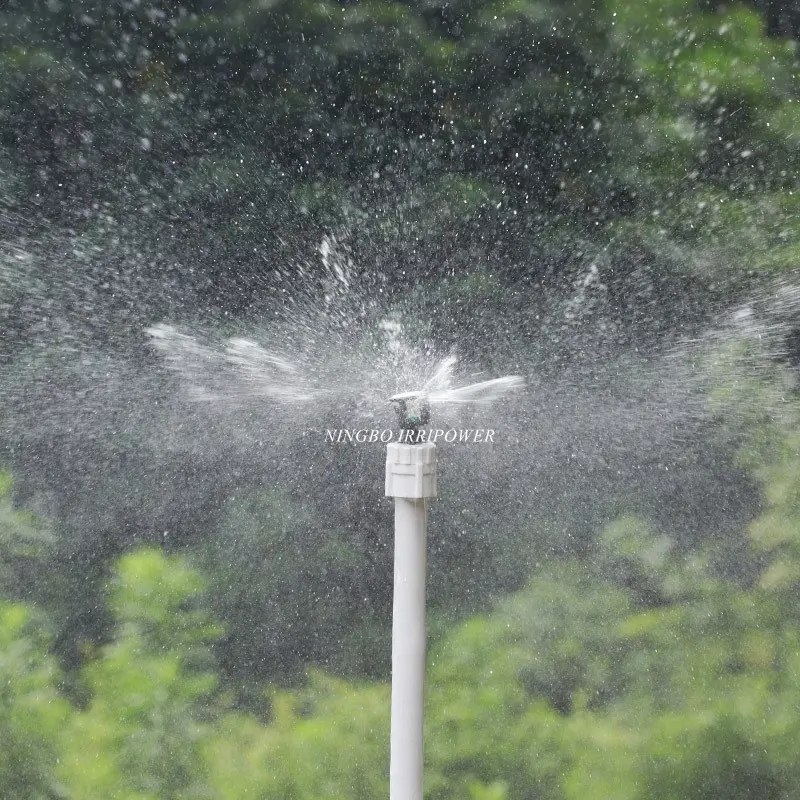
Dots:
(408, 649)
(411, 481)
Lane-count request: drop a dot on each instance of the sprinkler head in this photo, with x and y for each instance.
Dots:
(413, 410)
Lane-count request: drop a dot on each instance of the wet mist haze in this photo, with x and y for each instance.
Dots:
(227, 228)
(132, 416)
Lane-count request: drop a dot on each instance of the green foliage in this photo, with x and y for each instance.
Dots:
(706, 121)
(572, 688)
(262, 561)
(142, 734)
(446, 111)
(158, 600)
(633, 556)
(692, 706)
(329, 740)
(764, 419)
(32, 714)
(24, 545)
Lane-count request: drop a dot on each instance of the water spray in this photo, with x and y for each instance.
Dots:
(243, 372)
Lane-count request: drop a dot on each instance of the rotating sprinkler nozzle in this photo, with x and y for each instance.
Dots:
(413, 410)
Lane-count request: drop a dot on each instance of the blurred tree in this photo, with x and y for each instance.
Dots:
(25, 542)
(151, 709)
(305, 94)
(288, 592)
(32, 713)
(572, 688)
(709, 119)
(330, 740)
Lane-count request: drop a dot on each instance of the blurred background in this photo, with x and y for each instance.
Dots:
(227, 226)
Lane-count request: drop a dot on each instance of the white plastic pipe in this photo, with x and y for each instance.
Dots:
(411, 480)
(408, 648)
